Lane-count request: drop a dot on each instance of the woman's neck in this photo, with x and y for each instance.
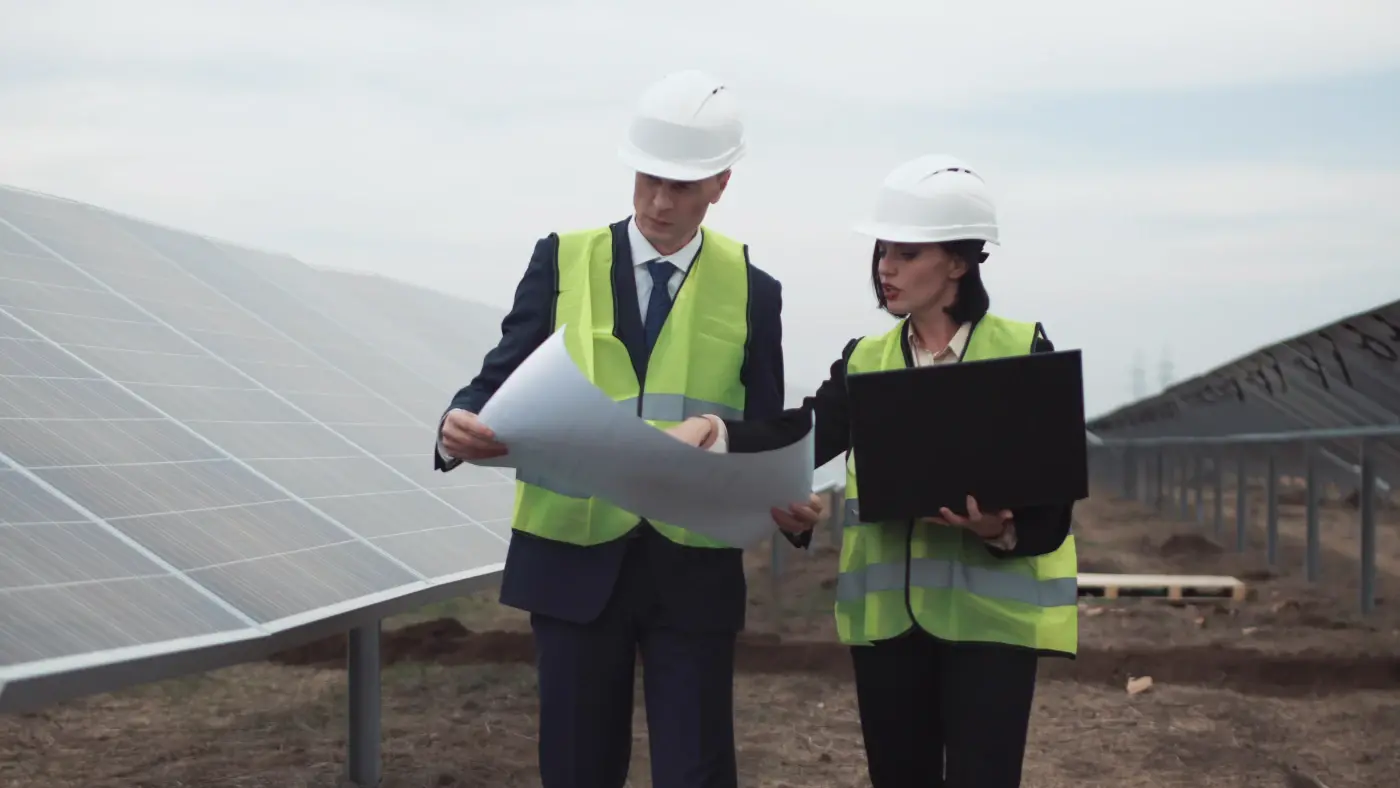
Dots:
(935, 328)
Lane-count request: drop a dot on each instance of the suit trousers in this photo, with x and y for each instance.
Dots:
(586, 678)
(943, 714)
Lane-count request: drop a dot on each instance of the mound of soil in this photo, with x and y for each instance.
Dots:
(446, 641)
(1102, 566)
(1188, 546)
(1244, 670)
(427, 641)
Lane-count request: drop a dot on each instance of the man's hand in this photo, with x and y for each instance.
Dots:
(801, 517)
(464, 437)
(987, 526)
(696, 431)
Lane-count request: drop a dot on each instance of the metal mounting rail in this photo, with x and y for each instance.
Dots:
(1297, 436)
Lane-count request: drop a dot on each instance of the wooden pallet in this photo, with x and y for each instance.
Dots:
(1163, 586)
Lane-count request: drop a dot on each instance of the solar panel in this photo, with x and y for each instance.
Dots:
(832, 474)
(70, 581)
(186, 451)
(381, 404)
(443, 340)
(1342, 374)
(427, 314)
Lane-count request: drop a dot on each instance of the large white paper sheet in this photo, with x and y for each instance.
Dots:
(561, 428)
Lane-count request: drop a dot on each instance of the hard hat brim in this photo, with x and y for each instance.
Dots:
(896, 233)
(672, 171)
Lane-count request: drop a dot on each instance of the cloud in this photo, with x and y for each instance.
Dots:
(879, 50)
(1255, 224)
(1210, 190)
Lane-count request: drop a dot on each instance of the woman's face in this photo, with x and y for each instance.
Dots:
(916, 278)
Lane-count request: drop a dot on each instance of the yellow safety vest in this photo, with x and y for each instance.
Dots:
(896, 575)
(693, 370)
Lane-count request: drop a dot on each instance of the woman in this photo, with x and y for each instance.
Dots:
(947, 616)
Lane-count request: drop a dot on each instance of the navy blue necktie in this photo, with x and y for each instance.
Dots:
(659, 305)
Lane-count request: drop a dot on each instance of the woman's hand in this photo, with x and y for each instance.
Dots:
(987, 526)
(801, 517)
(696, 430)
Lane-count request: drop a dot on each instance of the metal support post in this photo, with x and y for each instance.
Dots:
(1159, 486)
(1183, 474)
(1271, 492)
(363, 765)
(1144, 477)
(1219, 493)
(1367, 505)
(1312, 562)
(1200, 465)
(1190, 466)
(776, 564)
(1241, 502)
(838, 517)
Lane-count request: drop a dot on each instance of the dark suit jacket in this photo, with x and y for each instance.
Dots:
(1039, 529)
(701, 588)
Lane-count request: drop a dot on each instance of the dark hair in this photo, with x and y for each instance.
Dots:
(971, 301)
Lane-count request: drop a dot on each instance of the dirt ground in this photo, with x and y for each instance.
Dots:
(1290, 688)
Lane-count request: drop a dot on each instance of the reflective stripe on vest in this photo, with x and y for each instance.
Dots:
(943, 573)
(693, 370)
(957, 590)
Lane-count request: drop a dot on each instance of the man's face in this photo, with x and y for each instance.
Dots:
(669, 212)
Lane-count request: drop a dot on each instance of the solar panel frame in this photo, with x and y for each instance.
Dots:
(26, 685)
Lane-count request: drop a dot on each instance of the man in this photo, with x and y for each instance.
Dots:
(671, 318)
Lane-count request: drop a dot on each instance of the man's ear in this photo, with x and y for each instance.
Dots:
(722, 180)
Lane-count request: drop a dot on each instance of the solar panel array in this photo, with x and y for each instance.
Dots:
(832, 474)
(423, 315)
(192, 453)
(1344, 374)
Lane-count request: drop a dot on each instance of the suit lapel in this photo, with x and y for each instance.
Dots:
(627, 316)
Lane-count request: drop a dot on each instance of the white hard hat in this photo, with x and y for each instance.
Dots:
(931, 199)
(686, 128)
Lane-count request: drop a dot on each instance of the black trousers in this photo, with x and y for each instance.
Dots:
(586, 674)
(940, 714)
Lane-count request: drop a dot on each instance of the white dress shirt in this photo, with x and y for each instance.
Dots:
(642, 253)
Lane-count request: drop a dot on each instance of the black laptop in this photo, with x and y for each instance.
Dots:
(1008, 431)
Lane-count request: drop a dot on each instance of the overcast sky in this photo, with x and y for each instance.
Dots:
(1198, 176)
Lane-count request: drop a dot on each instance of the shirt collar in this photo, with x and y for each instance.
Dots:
(643, 252)
(956, 346)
